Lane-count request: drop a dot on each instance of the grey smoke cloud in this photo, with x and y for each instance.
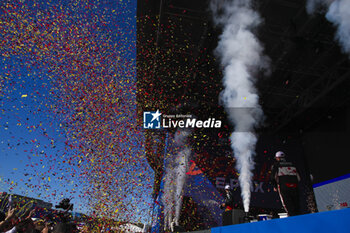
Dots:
(175, 177)
(241, 55)
(338, 13)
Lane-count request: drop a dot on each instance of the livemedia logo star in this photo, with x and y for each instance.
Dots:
(151, 120)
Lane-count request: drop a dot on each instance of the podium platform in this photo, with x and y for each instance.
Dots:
(335, 221)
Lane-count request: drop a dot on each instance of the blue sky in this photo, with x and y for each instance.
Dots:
(33, 151)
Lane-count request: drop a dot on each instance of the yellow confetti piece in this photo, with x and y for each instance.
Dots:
(24, 96)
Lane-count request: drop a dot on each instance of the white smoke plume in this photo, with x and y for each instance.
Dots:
(241, 55)
(338, 13)
(315, 5)
(175, 177)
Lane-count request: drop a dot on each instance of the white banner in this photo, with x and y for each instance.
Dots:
(333, 194)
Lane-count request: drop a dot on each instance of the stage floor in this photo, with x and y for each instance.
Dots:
(335, 221)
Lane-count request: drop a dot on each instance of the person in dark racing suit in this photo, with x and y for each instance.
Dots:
(227, 206)
(285, 179)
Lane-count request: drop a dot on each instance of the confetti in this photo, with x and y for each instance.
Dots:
(76, 63)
